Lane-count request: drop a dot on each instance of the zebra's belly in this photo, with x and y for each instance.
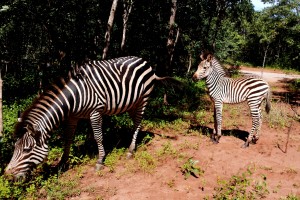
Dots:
(234, 100)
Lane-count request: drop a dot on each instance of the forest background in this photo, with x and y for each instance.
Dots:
(42, 40)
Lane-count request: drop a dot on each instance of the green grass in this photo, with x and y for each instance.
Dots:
(113, 157)
(190, 168)
(242, 186)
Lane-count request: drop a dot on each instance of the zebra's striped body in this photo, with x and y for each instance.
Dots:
(99, 88)
(227, 90)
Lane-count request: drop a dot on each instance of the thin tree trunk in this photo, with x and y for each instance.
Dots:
(171, 42)
(109, 28)
(175, 42)
(127, 6)
(1, 107)
(190, 63)
(265, 55)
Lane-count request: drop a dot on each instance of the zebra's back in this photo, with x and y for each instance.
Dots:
(240, 89)
(120, 84)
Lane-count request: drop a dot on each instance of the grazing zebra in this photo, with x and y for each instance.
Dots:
(223, 89)
(98, 88)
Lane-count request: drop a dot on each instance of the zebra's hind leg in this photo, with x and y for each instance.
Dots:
(256, 136)
(255, 113)
(136, 116)
(96, 122)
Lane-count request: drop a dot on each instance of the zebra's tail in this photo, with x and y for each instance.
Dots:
(268, 101)
(169, 81)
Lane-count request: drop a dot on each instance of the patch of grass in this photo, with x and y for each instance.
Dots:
(167, 149)
(113, 157)
(291, 197)
(277, 118)
(242, 187)
(145, 161)
(190, 168)
(189, 145)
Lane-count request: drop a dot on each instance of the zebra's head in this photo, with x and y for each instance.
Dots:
(30, 150)
(204, 68)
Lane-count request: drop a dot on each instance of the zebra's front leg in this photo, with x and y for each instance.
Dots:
(96, 122)
(69, 131)
(217, 132)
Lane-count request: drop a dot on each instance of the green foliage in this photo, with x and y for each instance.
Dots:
(295, 85)
(9, 190)
(190, 168)
(10, 115)
(242, 187)
(113, 157)
(145, 161)
(166, 150)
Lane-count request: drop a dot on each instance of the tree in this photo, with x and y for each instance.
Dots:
(109, 28)
(127, 8)
(171, 37)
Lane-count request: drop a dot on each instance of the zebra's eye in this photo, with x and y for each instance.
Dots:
(27, 149)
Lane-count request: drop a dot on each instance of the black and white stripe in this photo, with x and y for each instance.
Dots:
(99, 88)
(223, 89)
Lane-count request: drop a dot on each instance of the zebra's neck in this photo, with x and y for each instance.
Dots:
(216, 75)
(54, 106)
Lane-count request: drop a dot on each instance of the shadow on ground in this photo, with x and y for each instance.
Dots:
(240, 134)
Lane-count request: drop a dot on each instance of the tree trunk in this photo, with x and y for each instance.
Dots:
(190, 63)
(171, 43)
(171, 40)
(127, 6)
(109, 27)
(265, 55)
(1, 107)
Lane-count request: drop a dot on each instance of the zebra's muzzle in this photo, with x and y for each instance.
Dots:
(20, 177)
(195, 78)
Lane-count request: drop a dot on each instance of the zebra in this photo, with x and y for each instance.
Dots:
(223, 89)
(98, 88)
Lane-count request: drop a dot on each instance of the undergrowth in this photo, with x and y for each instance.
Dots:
(185, 107)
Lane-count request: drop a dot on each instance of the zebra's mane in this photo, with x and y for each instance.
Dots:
(218, 66)
(20, 127)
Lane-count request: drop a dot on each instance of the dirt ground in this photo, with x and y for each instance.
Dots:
(273, 161)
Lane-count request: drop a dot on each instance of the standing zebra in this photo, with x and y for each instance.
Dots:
(227, 90)
(98, 88)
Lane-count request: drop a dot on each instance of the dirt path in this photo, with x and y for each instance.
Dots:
(264, 169)
(271, 76)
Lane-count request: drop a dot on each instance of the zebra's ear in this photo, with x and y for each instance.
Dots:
(209, 57)
(201, 56)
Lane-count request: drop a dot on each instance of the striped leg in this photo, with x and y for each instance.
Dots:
(256, 136)
(96, 122)
(256, 121)
(69, 137)
(217, 132)
(136, 116)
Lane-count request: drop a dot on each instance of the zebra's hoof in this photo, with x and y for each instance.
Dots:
(214, 141)
(246, 145)
(253, 141)
(99, 167)
(129, 155)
